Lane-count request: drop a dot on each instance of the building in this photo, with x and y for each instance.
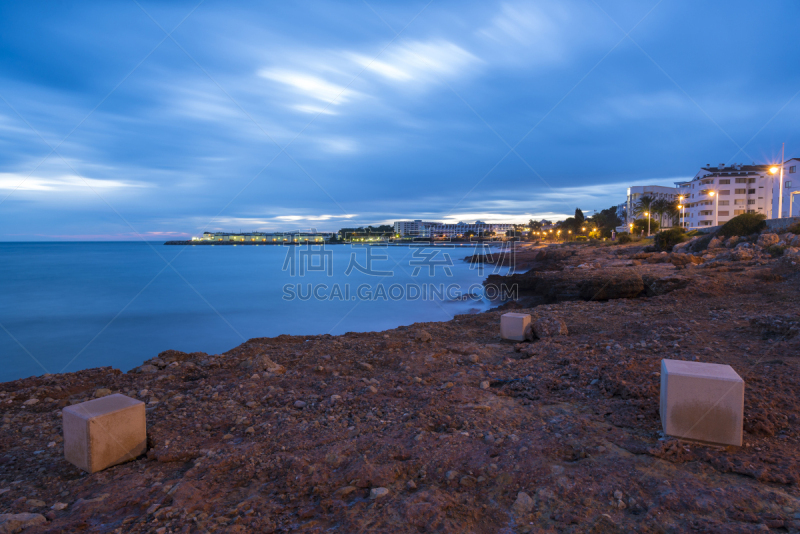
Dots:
(791, 189)
(626, 211)
(416, 228)
(461, 229)
(717, 194)
(266, 238)
(419, 228)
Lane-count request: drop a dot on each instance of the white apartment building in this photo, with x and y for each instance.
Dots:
(791, 189)
(717, 194)
(462, 228)
(416, 228)
(419, 228)
(626, 211)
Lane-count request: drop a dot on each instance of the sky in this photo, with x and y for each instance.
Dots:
(148, 120)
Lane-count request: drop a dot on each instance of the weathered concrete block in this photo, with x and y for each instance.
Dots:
(512, 325)
(104, 432)
(702, 401)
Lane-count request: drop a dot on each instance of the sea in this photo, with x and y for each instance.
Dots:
(71, 306)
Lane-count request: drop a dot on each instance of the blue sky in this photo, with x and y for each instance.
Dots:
(125, 119)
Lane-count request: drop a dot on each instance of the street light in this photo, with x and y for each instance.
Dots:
(647, 214)
(680, 207)
(716, 202)
(773, 171)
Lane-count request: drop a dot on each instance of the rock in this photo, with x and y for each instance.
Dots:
(422, 336)
(31, 402)
(549, 326)
(34, 503)
(451, 475)
(523, 505)
(345, 491)
(485, 384)
(716, 242)
(299, 404)
(410, 485)
(604, 525)
(102, 392)
(147, 368)
(263, 363)
(59, 506)
(473, 358)
(681, 260)
(741, 254)
(365, 366)
(12, 523)
(468, 481)
(767, 240)
(377, 493)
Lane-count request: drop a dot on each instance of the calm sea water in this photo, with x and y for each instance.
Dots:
(71, 306)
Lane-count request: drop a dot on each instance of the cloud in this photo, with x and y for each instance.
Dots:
(310, 86)
(337, 145)
(60, 184)
(314, 109)
(543, 34)
(418, 61)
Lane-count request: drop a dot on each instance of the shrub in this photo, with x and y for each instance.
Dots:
(744, 224)
(640, 225)
(794, 229)
(666, 239)
(624, 238)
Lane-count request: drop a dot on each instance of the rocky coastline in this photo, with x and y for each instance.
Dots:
(444, 427)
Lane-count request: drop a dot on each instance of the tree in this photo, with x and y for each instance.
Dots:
(645, 204)
(640, 226)
(660, 208)
(606, 220)
(673, 211)
(579, 218)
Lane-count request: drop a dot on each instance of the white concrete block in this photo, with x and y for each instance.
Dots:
(512, 326)
(702, 402)
(103, 432)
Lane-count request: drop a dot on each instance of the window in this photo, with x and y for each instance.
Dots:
(723, 213)
(725, 192)
(793, 169)
(751, 180)
(738, 212)
(741, 191)
(788, 185)
(725, 181)
(751, 191)
(705, 223)
(706, 212)
(751, 201)
(724, 202)
(741, 180)
(751, 211)
(739, 201)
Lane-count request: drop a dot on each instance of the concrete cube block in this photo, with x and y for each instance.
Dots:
(512, 326)
(103, 432)
(702, 402)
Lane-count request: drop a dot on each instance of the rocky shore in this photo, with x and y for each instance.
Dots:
(444, 427)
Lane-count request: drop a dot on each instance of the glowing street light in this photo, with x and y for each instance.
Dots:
(774, 171)
(647, 214)
(716, 202)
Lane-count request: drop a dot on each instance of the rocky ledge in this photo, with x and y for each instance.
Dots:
(444, 427)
